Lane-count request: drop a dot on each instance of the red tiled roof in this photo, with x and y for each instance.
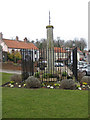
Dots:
(57, 49)
(19, 44)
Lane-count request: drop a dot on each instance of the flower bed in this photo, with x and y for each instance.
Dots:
(33, 82)
(55, 85)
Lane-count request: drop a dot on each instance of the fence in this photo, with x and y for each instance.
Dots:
(38, 63)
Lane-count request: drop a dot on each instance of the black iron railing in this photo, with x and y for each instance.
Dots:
(63, 65)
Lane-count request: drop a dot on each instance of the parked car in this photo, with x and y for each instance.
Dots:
(44, 61)
(86, 69)
(81, 64)
(69, 64)
(59, 64)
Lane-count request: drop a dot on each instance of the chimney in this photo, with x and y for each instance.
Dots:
(1, 35)
(25, 39)
(17, 38)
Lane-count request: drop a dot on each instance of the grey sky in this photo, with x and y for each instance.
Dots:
(29, 18)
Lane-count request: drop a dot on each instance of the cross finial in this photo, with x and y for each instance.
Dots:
(49, 18)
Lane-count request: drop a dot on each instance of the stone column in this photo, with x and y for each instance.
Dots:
(50, 49)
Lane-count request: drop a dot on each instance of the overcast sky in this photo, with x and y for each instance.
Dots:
(29, 18)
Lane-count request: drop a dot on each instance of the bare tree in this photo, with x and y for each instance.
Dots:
(58, 42)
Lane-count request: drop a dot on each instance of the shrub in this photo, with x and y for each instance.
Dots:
(80, 75)
(68, 84)
(16, 78)
(50, 75)
(37, 74)
(32, 82)
(17, 56)
(85, 79)
(64, 73)
(14, 56)
(54, 76)
(45, 75)
(25, 75)
(10, 56)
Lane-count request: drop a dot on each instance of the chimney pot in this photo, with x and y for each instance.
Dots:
(25, 39)
(17, 38)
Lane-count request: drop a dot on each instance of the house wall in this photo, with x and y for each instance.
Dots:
(4, 47)
(35, 55)
(78, 56)
(60, 55)
(10, 50)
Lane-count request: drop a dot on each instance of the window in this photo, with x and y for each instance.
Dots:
(35, 52)
(35, 59)
(12, 50)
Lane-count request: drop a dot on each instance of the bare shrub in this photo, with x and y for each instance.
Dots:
(80, 75)
(32, 82)
(68, 84)
(85, 79)
(16, 78)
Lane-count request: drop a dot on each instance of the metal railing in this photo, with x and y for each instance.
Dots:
(50, 65)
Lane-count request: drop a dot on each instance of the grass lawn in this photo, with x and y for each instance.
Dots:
(5, 77)
(43, 103)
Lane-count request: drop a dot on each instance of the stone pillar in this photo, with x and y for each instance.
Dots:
(50, 49)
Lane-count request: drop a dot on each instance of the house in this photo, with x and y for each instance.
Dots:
(60, 54)
(16, 45)
(80, 55)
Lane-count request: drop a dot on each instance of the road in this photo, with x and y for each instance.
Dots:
(10, 71)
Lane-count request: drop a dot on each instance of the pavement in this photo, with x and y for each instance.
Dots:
(11, 71)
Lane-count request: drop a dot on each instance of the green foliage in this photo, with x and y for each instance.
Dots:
(45, 75)
(64, 73)
(56, 85)
(37, 74)
(17, 56)
(12, 82)
(43, 85)
(14, 56)
(5, 77)
(50, 75)
(44, 103)
(32, 82)
(10, 56)
(68, 84)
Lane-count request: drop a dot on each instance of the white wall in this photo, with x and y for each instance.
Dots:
(4, 47)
